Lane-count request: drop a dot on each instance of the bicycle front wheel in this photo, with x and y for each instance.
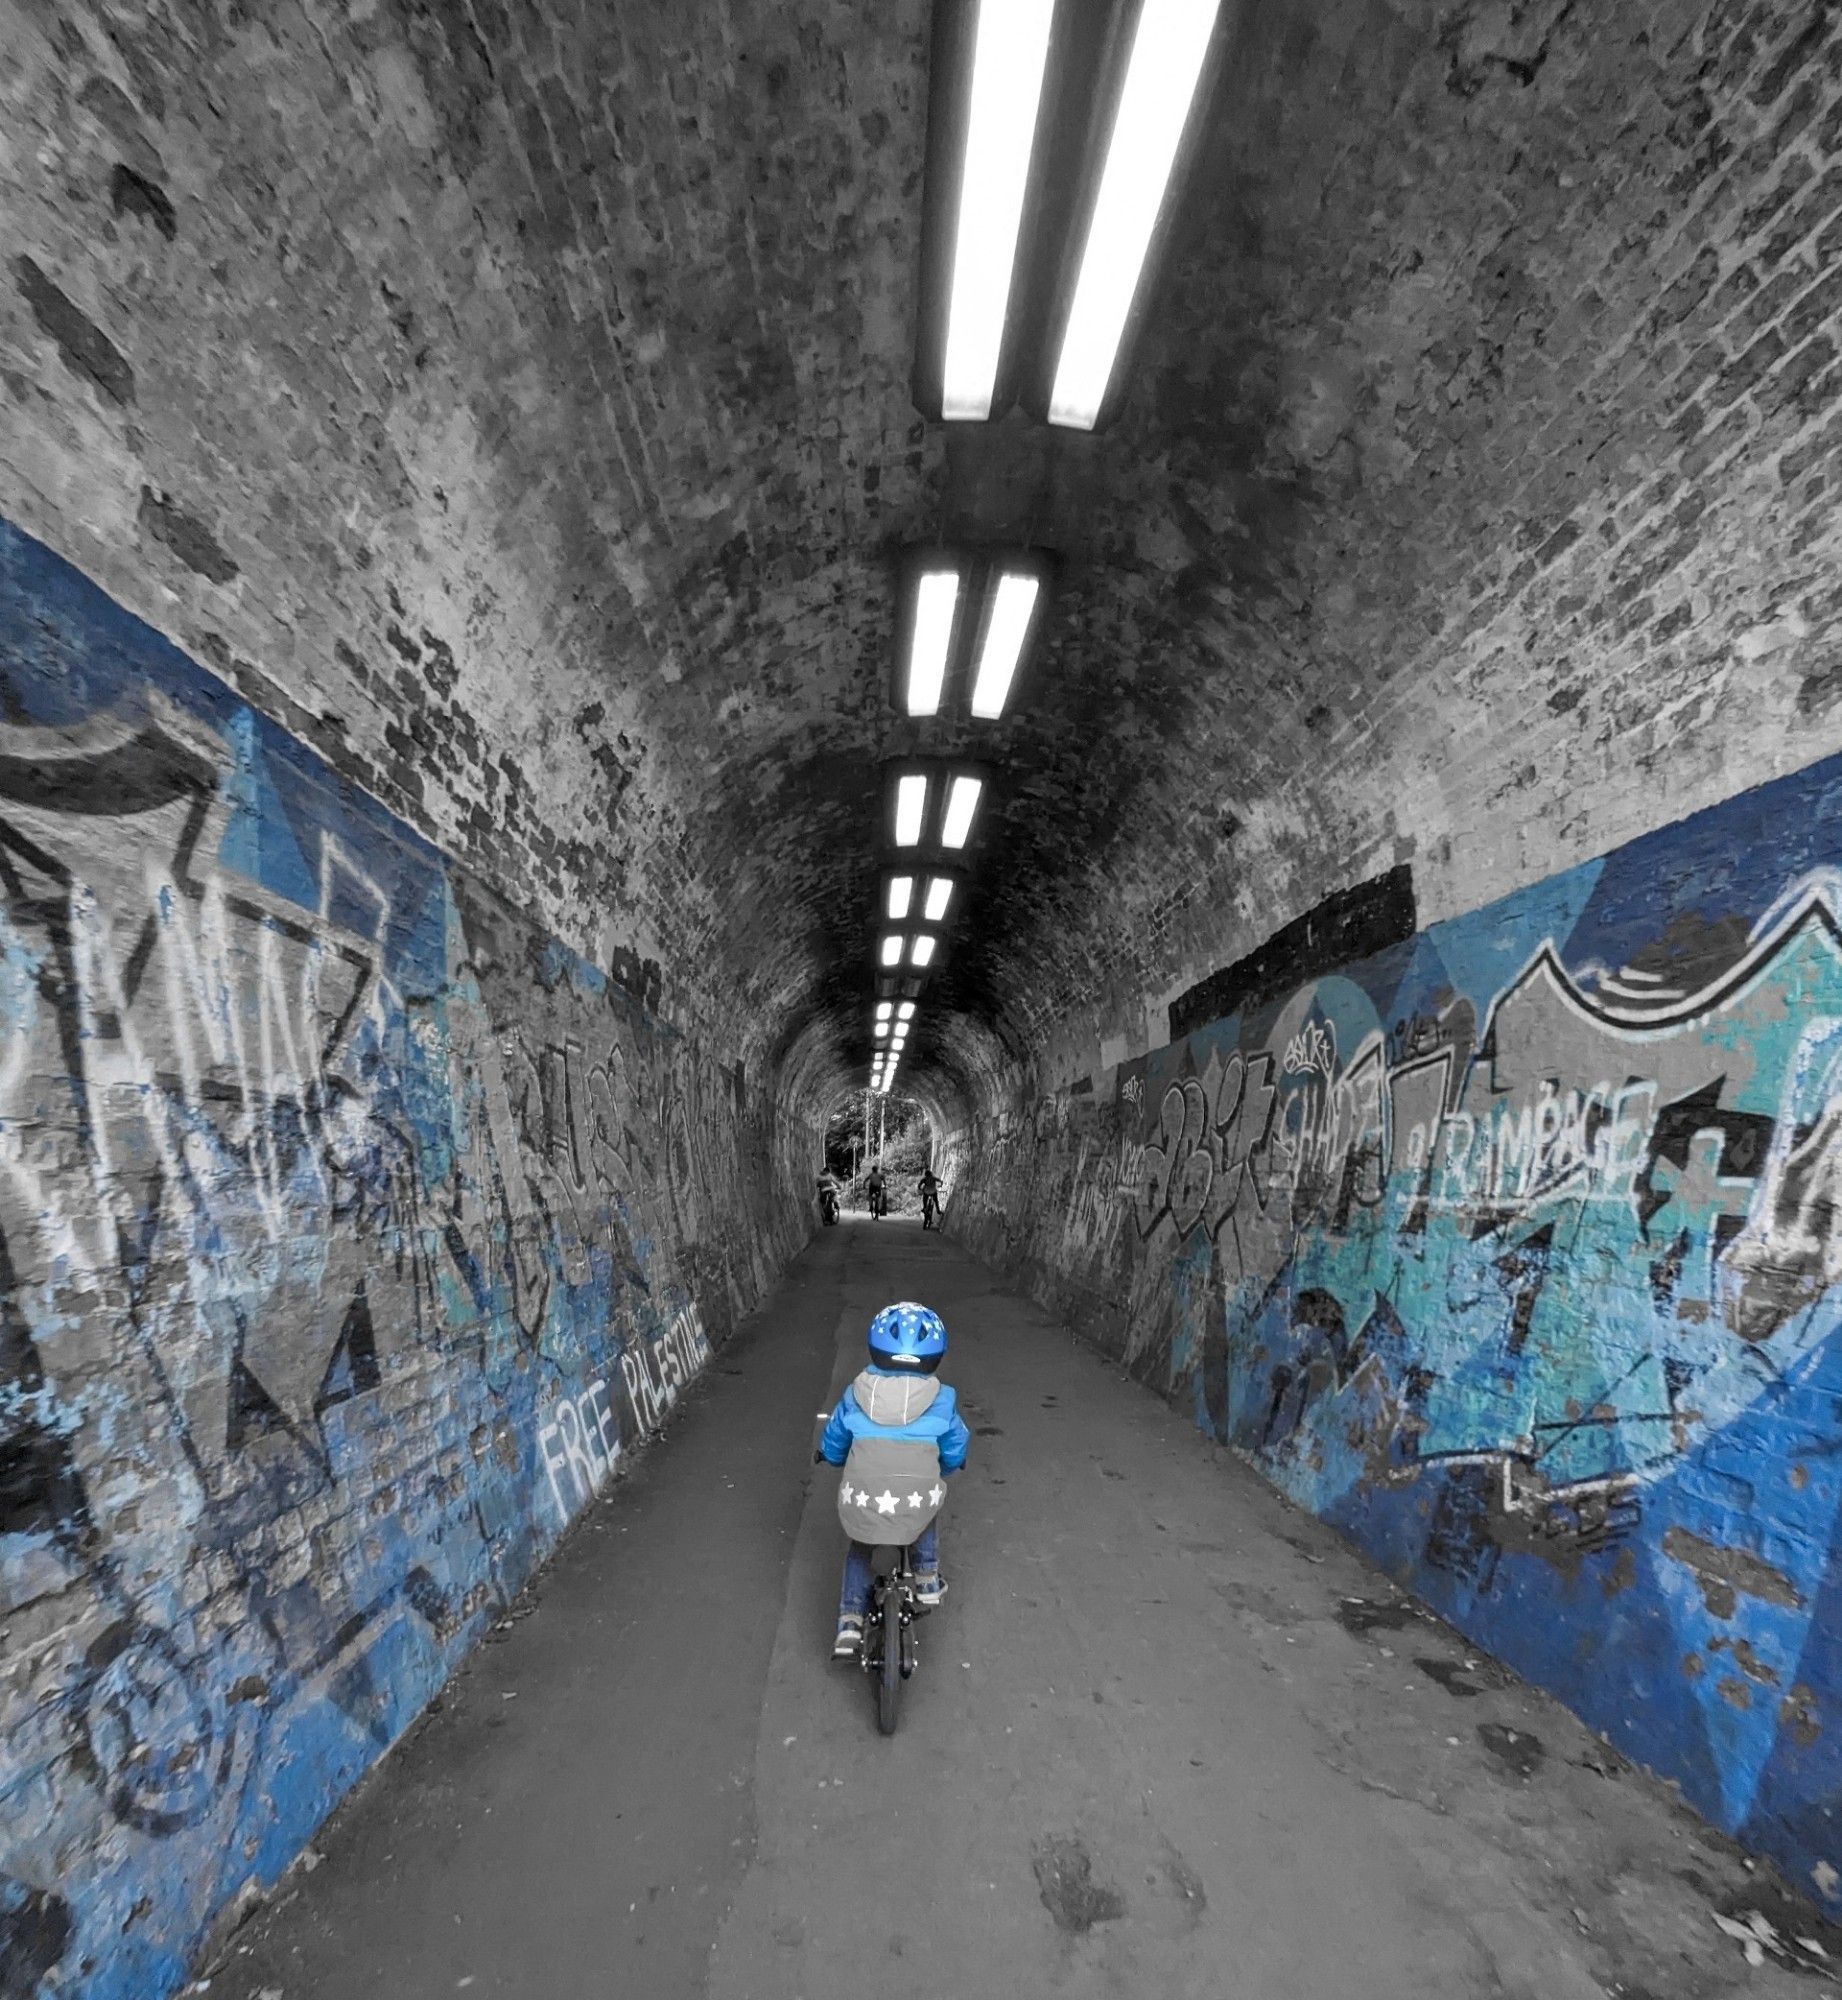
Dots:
(889, 1687)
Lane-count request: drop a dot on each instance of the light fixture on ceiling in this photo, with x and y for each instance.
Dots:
(880, 1030)
(1011, 45)
(939, 895)
(1005, 633)
(1168, 49)
(906, 1011)
(884, 1008)
(892, 948)
(930, 639)
(962, 803)
(921, 949)
(972, 616)
(901, 894)
(910, 808)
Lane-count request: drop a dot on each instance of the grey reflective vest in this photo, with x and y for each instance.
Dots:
(892, 1488)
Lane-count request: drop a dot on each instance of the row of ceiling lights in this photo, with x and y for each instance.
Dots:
(1002, 59)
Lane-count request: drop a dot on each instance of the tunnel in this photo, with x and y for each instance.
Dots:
(1214, 620)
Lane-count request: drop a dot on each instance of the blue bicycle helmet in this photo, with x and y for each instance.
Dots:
(908, 1336)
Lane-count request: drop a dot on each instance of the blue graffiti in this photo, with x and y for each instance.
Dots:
(342, 1259)
(1514, 1252)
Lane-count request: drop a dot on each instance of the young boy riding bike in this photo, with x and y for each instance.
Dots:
(895, 1431)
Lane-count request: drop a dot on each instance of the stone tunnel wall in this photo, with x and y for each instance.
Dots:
(353, 1231)
(1511, 1250)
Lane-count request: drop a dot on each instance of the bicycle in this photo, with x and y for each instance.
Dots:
(890, 1654)
(930, 1211)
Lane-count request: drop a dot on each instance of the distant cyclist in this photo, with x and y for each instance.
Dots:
(930, 1198)
(879, 1202)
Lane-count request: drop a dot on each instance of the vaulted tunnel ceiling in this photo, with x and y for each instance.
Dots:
(542, 374)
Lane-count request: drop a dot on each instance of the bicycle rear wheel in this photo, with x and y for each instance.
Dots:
(889, 1685)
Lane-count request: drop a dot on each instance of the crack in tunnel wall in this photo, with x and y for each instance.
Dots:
(1512, 1251)
(353, 1231)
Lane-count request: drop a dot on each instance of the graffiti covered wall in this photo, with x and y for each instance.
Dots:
(350, 1232)
(1514, 1252)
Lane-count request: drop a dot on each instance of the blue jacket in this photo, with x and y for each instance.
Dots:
(891, 1403)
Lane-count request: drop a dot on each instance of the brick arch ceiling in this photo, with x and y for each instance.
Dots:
(542, 370)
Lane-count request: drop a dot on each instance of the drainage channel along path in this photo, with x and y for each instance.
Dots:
(1167, 1737)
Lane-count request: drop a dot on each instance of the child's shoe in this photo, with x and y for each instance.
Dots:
(849, 1642)
(930, 1588)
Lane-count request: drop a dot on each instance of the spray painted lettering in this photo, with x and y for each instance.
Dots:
(336, 1213)
(1514, 1251)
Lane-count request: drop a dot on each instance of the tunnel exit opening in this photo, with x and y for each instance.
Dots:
(869, 1129)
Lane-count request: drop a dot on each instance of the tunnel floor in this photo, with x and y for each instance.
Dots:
(1168, 1736)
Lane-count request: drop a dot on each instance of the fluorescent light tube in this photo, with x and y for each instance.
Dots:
(939, 895)
(1154, 103)
(910, 809)
(1005, 633)
(927, 644)
(892, 948)
(881, 1029)
(884, 1008)
(906, 1011)
(962, 803)
(921, 951)
(901, 894)
(1010, 46)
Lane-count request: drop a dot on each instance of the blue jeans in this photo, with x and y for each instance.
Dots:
(854, 1598)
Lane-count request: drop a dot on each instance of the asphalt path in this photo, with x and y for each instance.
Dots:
(1168, 1736)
